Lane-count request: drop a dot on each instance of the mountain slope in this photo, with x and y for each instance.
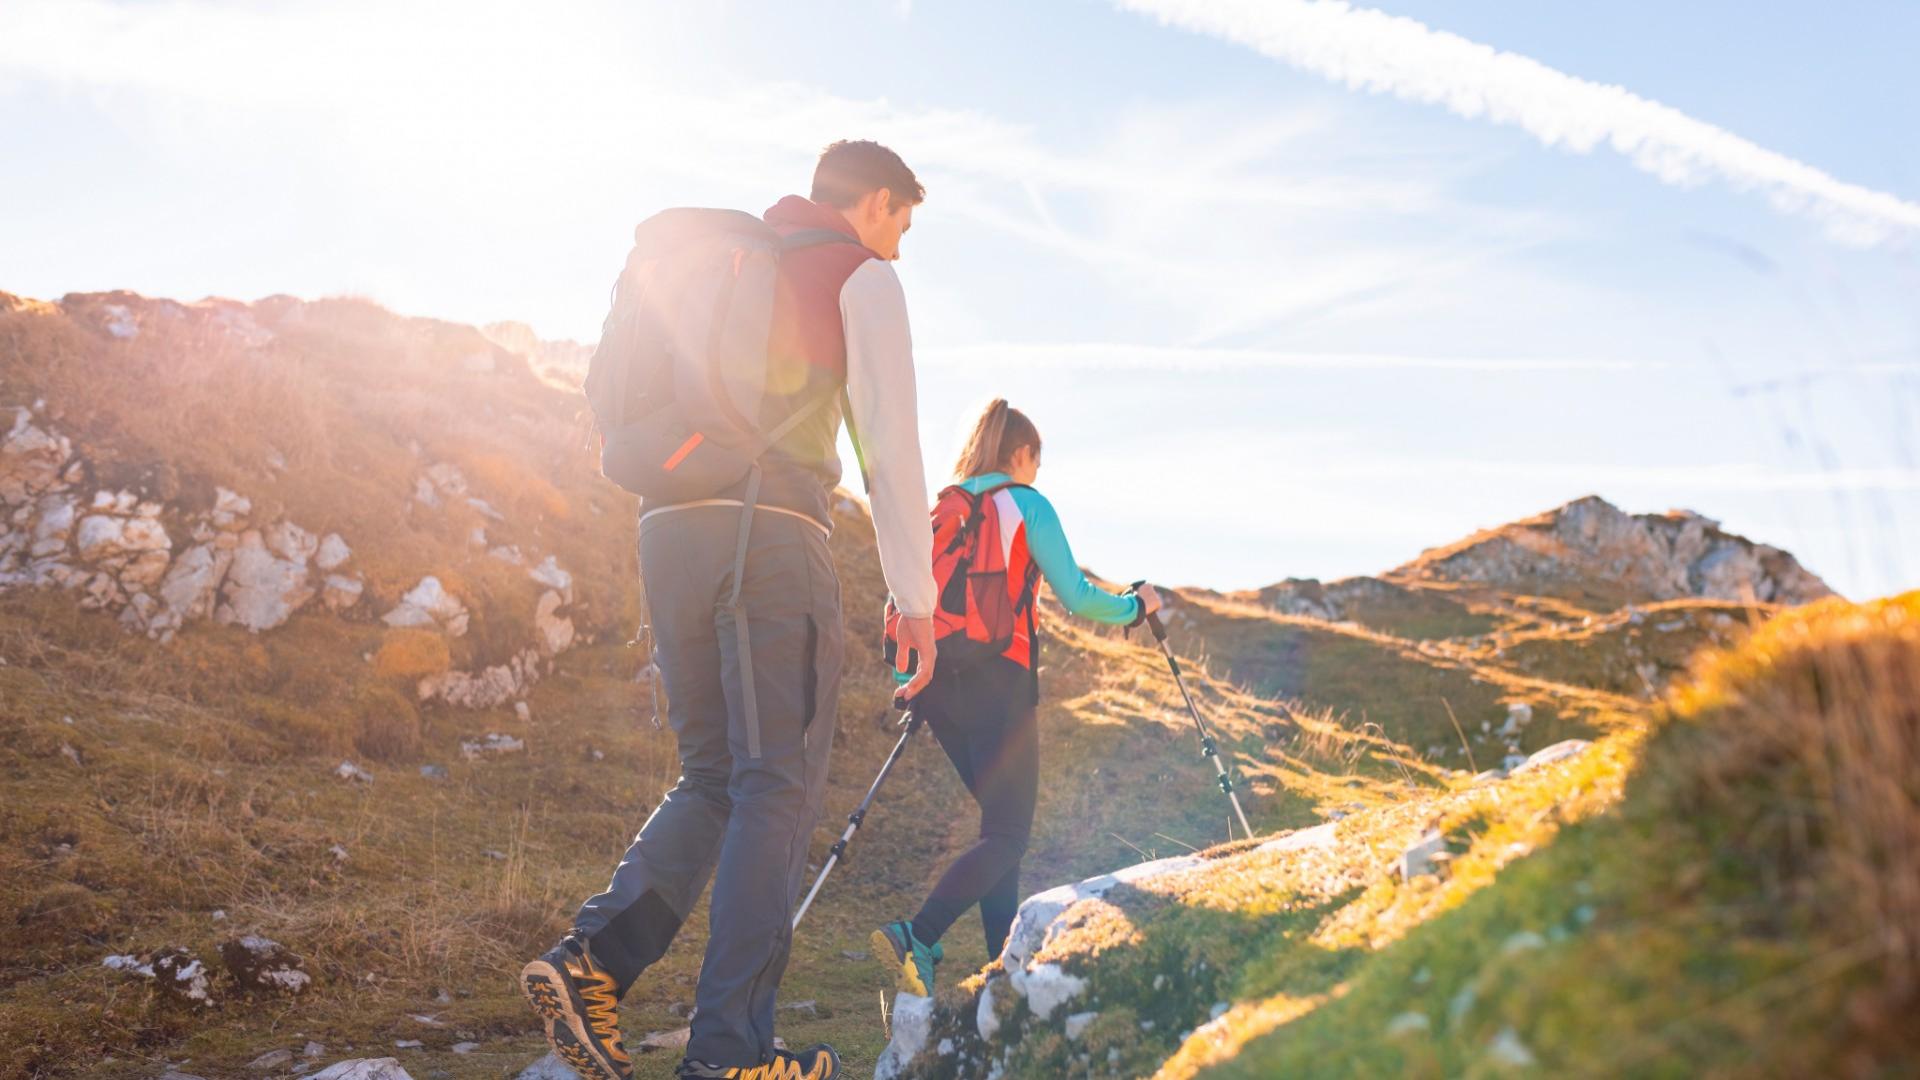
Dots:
(232, 704)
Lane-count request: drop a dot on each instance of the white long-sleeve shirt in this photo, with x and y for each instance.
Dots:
(886, 413)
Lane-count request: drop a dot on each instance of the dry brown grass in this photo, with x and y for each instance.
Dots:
(1805, 745)
(410, 654)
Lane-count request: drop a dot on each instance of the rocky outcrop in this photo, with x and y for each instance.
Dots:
(155, 566)
(562, 358)
(1591, 546)
(1029, 994)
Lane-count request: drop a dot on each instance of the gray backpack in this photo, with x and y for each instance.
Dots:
(678, 382)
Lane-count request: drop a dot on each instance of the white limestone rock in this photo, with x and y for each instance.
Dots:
(554, 631)
(912, 1024)
(31, 459)
(291, 542)
(191, 583)
(120, 321)
(429, 604)
(340, 592)
(100, 536)
(230, 510)
(261, 591)
(548, 573)
(493, 745)
(1423, 856)
(385, 1068)
(333, 551)
(1559, 751)
(146, 570)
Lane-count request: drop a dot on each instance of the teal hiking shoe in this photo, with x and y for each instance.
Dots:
(911, 961)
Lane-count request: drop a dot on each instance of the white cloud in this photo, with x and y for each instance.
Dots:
(1371, 50)
(482, 130)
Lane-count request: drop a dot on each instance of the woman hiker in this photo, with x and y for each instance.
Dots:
(981, 707)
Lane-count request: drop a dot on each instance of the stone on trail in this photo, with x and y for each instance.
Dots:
(912, 1021)
(271, 1060)
(493, 745)
(1408, 1023)
(666, 1040)
(547, 1068)
(1559, 751)
(385, 1068)
(1507, 1049)
(1423, 856)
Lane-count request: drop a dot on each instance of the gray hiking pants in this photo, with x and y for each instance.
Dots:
(741, 819)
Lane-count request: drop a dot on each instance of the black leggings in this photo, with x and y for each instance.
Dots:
(983, 716)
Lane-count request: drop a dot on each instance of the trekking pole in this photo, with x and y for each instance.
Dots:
(1208, 748)
(837, 853)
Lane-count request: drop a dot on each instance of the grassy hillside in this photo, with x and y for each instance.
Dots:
(1727, 890)
(181, 793)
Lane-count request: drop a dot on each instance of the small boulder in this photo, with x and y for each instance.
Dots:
(262, 591)
(271, 1061)
(262, 964)
(363, 1069)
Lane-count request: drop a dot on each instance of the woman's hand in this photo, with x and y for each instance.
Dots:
(916, 636)
(1149, 600)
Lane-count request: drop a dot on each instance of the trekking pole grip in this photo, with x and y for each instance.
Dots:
(1153, 621)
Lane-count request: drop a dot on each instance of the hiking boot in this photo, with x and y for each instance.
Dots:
(578, 1000)
(816, 1062)
(910, 961)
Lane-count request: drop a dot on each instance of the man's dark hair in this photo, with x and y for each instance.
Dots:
(850, 169)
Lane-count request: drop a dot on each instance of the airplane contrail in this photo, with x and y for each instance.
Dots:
(1370, 50)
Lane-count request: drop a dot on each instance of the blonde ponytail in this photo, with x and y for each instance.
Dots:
(1001, 430)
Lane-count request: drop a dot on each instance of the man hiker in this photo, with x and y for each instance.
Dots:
(744, 808)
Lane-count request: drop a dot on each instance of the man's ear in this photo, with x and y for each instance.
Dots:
(882, 204)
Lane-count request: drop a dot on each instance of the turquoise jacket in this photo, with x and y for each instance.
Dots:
(1046, 545)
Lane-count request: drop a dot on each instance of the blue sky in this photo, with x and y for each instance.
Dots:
(1279, 310)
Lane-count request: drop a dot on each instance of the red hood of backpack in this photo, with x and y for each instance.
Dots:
(794, 213)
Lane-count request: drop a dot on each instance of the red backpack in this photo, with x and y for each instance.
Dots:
(981, 605)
